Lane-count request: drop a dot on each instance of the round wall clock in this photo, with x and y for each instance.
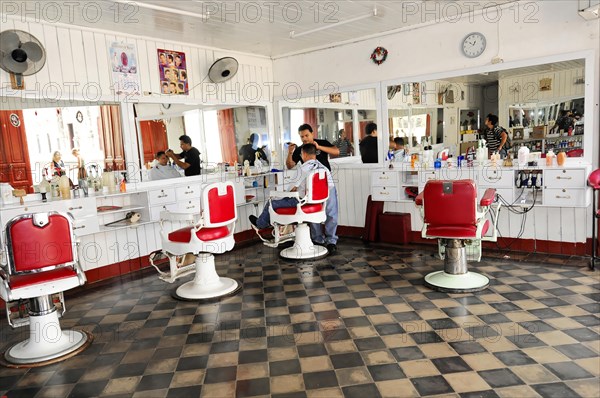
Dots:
(79, 117)
(473, 45)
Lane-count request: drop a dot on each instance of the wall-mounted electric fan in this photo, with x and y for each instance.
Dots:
(21, 54)
(223, 69)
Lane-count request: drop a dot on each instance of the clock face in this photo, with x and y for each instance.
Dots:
(473, 45)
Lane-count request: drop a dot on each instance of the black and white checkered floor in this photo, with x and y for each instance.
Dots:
(356, 324)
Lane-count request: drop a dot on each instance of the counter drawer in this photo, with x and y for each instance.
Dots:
(566, 197)
(384, 178)
(188, 192)
(385, 194)
(160, 196)
(189, 206)
(565, 178)
(496, 178)
(155, 210)
(85, 226)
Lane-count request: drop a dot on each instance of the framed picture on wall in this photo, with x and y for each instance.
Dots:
(416, 93)
(172, 69)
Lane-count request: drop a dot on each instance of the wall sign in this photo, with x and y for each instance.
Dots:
(15, 120)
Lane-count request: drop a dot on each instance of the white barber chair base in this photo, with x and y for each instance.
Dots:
(303, 247)
(456, 283)
(206, 284)
(47, 343)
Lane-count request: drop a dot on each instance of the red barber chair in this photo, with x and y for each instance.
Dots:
(594, 182)
(310, 209)
(212, 234)
(41, 263)
(451, 215)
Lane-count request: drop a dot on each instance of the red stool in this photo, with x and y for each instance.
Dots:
(594, 182)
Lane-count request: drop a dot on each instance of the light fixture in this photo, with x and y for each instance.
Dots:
(163, 9)
(591, 12)
(373, 13)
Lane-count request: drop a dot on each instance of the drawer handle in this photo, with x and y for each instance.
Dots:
(564, 178)
(384, 178)
(162, 196)
(563, 197)
(81, 227)
(190, 207)
(384, 193)
(188, 192)
(76, 208)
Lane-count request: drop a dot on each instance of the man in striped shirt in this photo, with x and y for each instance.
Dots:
(344, 145)
(496, 136)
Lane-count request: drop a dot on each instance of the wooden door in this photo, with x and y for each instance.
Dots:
(362, 127)
(14, 154)
(109, 129)
(154, 138)
(227, 135)
(310, 118)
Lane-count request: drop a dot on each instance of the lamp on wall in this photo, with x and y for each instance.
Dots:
(373, 13)
(589, 11)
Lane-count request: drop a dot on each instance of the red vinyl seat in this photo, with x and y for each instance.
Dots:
(452, 215)
(594, 182)
(42, 263)
(212, 234)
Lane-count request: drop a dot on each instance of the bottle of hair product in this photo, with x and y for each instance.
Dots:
(64, 186)
(550, 158)
(560, 158)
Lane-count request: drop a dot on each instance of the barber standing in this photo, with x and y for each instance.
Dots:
(324, 149)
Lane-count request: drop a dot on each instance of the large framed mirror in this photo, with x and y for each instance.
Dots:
(528, 101)
(340, 118)
(41, 139)
(222, 134)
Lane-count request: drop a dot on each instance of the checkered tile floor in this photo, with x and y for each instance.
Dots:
(356, 324)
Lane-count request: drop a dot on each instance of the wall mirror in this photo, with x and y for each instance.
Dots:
(339, 118)
(528, 101)
(222, 134)
(32, 131)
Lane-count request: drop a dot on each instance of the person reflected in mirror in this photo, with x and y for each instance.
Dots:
(563, 122)
(250, 149)
(496, 136)
(191, 165)
(344, 145)
(58, 166)
(162, 169)
(324, 149)
(368, 145)
(399, 151)
(81, 171)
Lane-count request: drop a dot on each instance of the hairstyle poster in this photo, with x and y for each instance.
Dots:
(126, 78)
(172, 68)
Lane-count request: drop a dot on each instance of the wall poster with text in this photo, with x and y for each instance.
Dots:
(172, 68)
(126, 78)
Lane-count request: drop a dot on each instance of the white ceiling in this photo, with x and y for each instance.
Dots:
(260, 27)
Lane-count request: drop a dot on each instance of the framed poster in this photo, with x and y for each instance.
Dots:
(126, 79)
(172, 68)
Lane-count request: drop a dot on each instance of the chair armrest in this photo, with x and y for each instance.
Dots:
(283, 194)
(488, 197)
(419, 199)
(176, 216)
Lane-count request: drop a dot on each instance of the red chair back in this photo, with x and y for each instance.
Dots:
(450, 207)
(218, 204)
(594, 179)
(40, 241)
(317, 187)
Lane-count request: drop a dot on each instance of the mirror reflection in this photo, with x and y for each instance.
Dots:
(222, 135)
(339, 118)
(42, 142)
(541, 107)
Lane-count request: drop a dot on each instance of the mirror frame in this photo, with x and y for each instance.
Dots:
(281, 102)
(590, 96)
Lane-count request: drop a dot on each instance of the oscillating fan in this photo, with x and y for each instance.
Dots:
(21, 54)
(223, 69)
